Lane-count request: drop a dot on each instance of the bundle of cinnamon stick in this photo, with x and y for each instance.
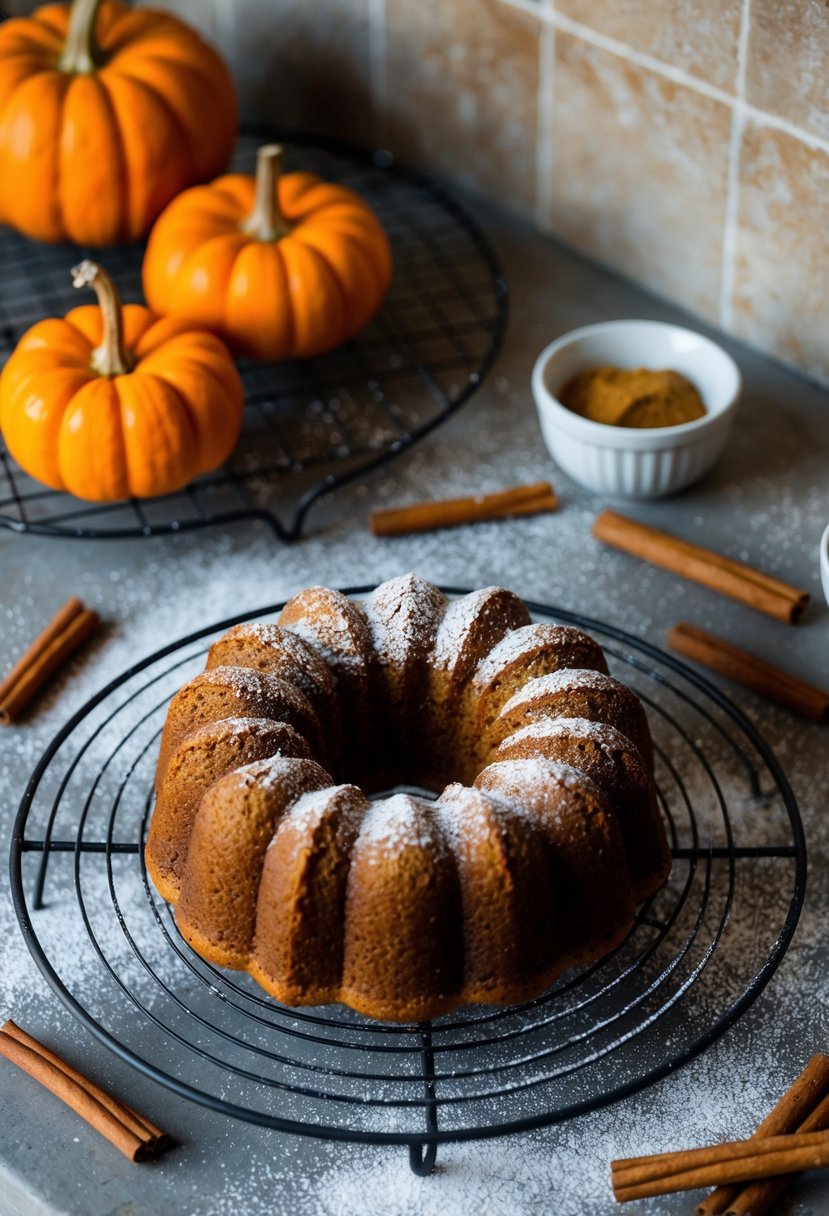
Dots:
(64, 634)
(135, 1136)
(793, 1137)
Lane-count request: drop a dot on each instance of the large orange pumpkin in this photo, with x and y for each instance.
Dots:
(112, 401)
(280, 266)
(106, 113)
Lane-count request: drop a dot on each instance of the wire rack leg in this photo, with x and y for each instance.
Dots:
(422, 1156)
(40, 881)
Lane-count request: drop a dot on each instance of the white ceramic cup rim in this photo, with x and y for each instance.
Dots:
(824, 562)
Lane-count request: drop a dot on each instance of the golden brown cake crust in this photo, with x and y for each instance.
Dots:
(608, 759)
(233, 692)
(511, 928)
(583, 836)
(470, 627)
(575, 693)
(534, 650)
(337, 629)
(529, 861)
(403, 617)
(203, 755)
(301, 901)
(232, 831)
(267, 647)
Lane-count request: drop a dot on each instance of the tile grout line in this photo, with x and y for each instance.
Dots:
(677, 75)
(378, 68)
(621, 49)
(544, 153)
(729, 239)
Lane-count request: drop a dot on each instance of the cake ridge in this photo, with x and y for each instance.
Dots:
(578, 693)
(515, 645)
(398, 822)
(602, 733)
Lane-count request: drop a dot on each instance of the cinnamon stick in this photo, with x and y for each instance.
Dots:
(135, 1137)
(68, 630)
(153, 1136)
(749, 670)
(451, 512)
(735, 1161)
(713, 570)
(799, 1102)
(756, 1198)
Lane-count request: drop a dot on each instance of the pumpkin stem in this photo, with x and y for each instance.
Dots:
(266, 222)
(81, 52)
(111, 358)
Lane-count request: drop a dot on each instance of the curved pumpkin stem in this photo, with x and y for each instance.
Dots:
(111, 358)
(266, 222)
(81, 52)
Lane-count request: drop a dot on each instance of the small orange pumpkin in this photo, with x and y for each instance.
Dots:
(106, 113)
(111, 401)
(282, 267)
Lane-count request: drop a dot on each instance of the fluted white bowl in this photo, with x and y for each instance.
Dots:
(634, 462)
(824, 563)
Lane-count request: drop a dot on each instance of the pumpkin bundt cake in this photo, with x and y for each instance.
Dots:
(544, 835)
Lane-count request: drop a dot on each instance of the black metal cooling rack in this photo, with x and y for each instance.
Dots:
(700, 952)
(310, 426)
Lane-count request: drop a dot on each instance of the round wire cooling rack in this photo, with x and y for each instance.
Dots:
(310, 426)
(699, 953)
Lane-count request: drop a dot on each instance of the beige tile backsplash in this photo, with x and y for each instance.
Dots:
(639, 172)
(683, 142)
(461, 92)
(781, 277)
(697, 36)
(788, 62)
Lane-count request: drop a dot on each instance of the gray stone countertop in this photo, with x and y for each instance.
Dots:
(767, 502)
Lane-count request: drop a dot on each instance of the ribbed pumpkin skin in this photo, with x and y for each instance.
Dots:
(143, 433)
(95, 157)
(288, 298)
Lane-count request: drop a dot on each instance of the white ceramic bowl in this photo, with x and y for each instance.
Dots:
(633, 462)
(824, 563)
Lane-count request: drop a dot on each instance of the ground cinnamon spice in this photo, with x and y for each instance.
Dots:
(635, 397)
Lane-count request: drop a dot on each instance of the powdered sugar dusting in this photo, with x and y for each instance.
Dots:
(301, 663)
(395, 824)
(264, 694)
(487, 607)
(311, 807)
(607, 737)
(242, 680)
(468, 817)
(262, 632)
(404, 614)
(331, 624)
(563, 681)
(562, 642)
(236, 726)
(533, 775)
(292, 775)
